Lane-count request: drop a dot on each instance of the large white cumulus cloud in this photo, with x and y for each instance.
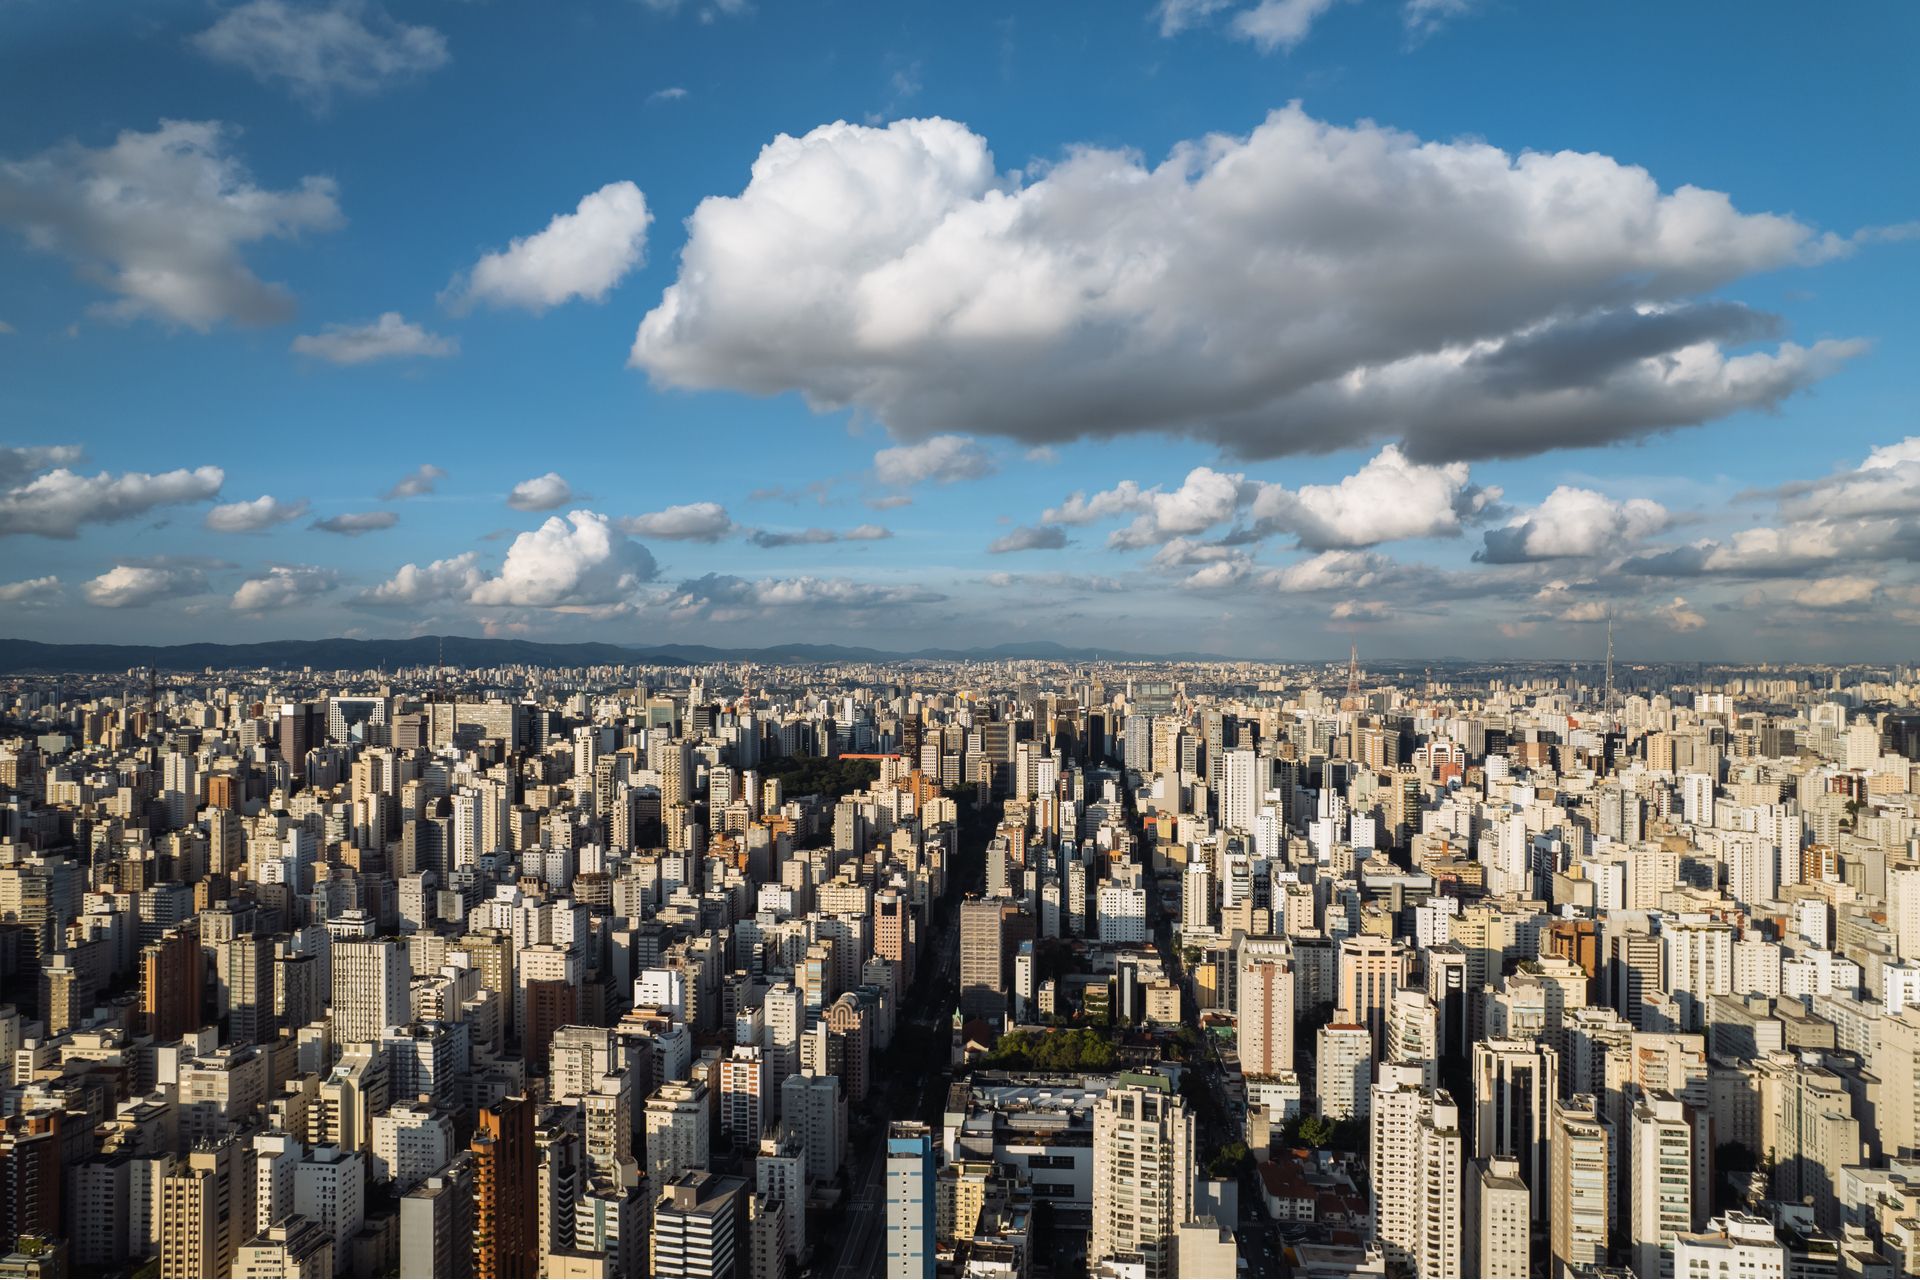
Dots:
(1574, 522)
(1305, 287)
(579, 560)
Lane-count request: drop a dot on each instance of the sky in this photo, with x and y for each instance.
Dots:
(1258, 327)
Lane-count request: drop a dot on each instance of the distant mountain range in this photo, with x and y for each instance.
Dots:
(30, 657)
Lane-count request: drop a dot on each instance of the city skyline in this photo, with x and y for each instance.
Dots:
(1248, 328)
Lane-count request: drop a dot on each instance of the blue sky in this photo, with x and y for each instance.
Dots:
(1431, 340)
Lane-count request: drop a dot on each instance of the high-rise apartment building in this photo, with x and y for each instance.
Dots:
(910, 1202)
(1371, 969)
(1415, 1153)
(506, 1208)
(437, 1223)
(699, 1226)
(1514, 1085)
(171, 978)
(1498, 1224)
(1144, 1169)
(1264, 1007)
(1343, 1069)
(370, 978)
(1660, 1142)
(206, 1211)
(677, 1130)
(983, 983)
(1581, 1185)
(1240, 789)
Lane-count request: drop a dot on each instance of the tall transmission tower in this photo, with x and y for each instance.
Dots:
(150, 702)
(1353, 672)
(1607, 701)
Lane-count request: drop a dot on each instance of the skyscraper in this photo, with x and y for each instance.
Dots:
(1144, 1164)
(983, 984)
(1661, 1181)
(677, 1129)
(1415, 1154)
(370, 977)
(1581, 1185)
(1514, 1085)
(1498, 1221)
(170, 985)
(506, 1209)
(1264, 1006)
(1240, 790)
(698, 1226)
(910, 1202)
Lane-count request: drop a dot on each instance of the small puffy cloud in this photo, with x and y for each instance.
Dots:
(452, 579)
(1080, 508)
(318, 50)
(160, 219)
(1678, 616)
(355, 523)
(421, 480)
(944, 459)
(1267, 24)
(1278, 24)
(1182, 553)
(263, 512)
(542, 493)
(814, 537)
(135, 586)
(56, 504)
(1836, 593)
(1042, 537)
(18, 462)
(1175, 16)
(890, 501)
(578, 560)
(1464, 301)
(1205, 498)
(32, 593)
(284, 586)
(687, 522)
(391, 337)
(672, 93)
(1574, 522)
(705, 10)
(1331, 571)
(1361, 611)
(1562, 601)
(582, 254)
(1225, 572)
(1840, 592)
(1424, 17)
(1388, 499)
